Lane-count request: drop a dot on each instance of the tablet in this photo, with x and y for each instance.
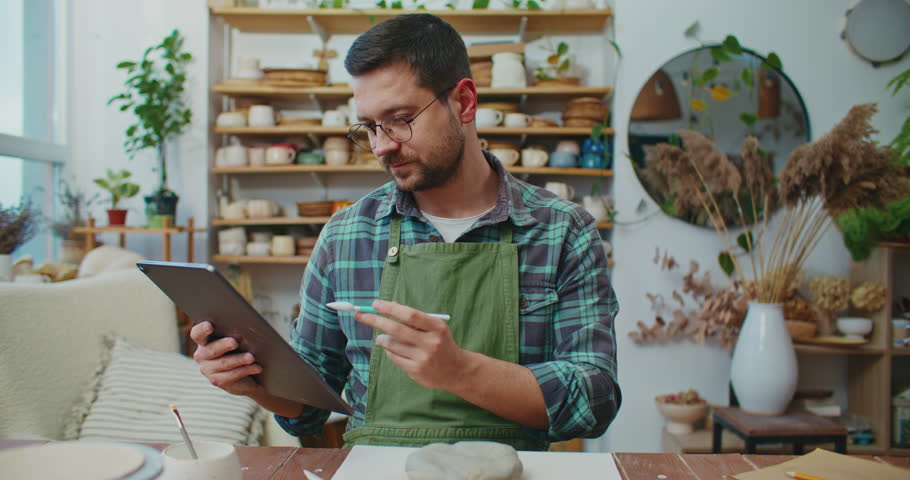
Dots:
(200, 291)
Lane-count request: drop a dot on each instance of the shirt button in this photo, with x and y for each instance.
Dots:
(434, 238)
(523, 302)
(393, 251)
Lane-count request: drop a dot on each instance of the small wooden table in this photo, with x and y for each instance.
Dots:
(798, 428)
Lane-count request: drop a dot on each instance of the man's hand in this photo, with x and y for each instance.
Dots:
(419, 344)
(227, 371)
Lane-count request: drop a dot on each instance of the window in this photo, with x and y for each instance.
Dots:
(32, 136)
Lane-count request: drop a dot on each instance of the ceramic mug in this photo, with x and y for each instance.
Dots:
(235, 210)
(598, 206)
(231, 156)
(570, 146)
(334, 118)
(336, 143)
(262, 116)
(232, 248)
(259, 249)
(337, 157)
(533, 157)
(563, 160)
(280, 154)
(487, 117)
(516, 119)
(309, 158)
(562, 190)
(216, 460)
(256, 155)
(506, 156)
(283, 246)
(592, 160)
(232, 235)
(261, 237)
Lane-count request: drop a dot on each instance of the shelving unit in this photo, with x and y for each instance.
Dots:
(90, 230)
(304, 93)
(519, 170)
(284, 130)
(870, 368)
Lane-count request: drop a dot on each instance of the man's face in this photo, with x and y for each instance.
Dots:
(435, 149)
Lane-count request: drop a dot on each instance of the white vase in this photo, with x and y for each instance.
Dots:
(764, 370)
(6, 268)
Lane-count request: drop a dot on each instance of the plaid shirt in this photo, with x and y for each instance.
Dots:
(567, 304)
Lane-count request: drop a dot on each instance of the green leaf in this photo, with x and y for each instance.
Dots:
(564, 66)
(396, 4)
(102, 183)
(533, 5)
(731, 44)
(692, 30)
(746, 75)
(450, 6)
(745, 241)
(762, 153)
(596, 131)
(125, 64)
(748, 118)
(774, 61)
(709, 74)
(562, 48)
(616, 47)
(726, 263)
(480, 4)
(718, 53)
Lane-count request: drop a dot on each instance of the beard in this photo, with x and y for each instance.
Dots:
(432, 170)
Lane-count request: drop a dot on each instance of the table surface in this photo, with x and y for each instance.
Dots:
(268, 463)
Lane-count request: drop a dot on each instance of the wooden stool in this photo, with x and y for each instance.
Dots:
(797, 428)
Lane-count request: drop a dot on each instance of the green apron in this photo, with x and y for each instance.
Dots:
(477, 284)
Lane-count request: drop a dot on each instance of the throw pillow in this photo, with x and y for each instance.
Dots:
(133, 389)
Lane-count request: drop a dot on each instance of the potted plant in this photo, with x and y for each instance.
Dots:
(154, 93)
(73, 204)
(18, 224)
(117, 185)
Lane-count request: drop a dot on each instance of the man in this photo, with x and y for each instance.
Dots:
(528, 356)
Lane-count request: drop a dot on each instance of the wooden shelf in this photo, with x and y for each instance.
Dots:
(282, 130)
(824, 350)
(578, 172)
(899, 351)
(345, 20)
(270, 221)
(295, 260)
(265, 90)
(894, 244)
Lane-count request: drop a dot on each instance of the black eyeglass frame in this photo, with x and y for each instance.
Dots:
(371, 127)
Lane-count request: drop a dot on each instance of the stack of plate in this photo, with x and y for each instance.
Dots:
(294, 77)
(584, 112)
(82, 459)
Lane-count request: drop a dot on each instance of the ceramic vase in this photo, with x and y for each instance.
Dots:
(764, 369)
(6, 268)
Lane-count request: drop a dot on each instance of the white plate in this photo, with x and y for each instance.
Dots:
(77, 459)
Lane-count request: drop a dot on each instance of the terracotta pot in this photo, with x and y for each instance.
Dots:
(116, 217)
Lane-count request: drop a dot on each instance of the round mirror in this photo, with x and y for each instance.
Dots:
(724, 97)
(879, 30)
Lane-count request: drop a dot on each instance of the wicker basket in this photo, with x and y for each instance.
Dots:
(294, 77)
(315, 209)
(800, 330)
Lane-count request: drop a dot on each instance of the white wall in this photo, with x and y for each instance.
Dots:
(103, 33)
(805, 35)
(831, 80)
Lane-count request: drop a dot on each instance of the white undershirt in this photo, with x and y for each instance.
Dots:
(452, 228)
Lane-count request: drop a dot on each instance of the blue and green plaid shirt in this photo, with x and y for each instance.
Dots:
(567, 304)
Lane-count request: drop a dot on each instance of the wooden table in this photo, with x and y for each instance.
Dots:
(274, 463)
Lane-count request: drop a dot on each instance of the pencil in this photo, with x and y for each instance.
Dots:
(186, 436)
(803, 476)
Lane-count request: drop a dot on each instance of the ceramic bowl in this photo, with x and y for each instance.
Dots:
(682, 418)
(854, 327)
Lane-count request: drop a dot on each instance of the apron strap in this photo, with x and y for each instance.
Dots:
(505, 232)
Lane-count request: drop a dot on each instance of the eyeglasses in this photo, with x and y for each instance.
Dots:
(396, 127)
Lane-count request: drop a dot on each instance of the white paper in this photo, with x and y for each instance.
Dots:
(387, 463)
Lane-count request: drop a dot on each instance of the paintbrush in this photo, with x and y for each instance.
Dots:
(803, 476)
(186, 436)
(350, 307)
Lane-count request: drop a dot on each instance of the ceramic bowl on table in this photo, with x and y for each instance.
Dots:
(681, 417)
(854, 327)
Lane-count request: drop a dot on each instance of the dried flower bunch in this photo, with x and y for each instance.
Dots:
(716, 313)
(830, 294)
(869, 297)
(842, 170)
(18, 224)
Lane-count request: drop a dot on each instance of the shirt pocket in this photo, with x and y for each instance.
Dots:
(537, 307)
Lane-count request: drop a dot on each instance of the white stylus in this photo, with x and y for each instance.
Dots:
(350, 307)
